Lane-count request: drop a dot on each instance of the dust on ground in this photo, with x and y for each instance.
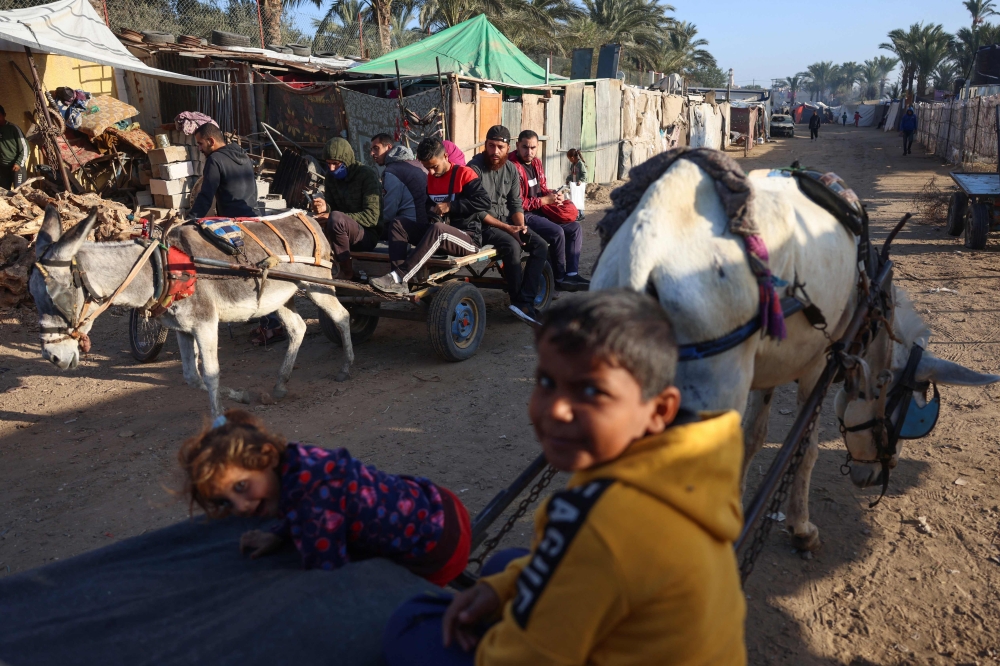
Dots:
(88, 457)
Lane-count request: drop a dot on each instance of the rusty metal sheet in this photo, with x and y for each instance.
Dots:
(489, 112)
(588, 134)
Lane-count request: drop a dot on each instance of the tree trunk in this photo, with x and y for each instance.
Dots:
(383, 17)
(271, 16)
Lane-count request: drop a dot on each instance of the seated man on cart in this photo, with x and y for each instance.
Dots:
(455, 199)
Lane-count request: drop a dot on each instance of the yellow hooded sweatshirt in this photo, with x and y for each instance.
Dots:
(633, 563)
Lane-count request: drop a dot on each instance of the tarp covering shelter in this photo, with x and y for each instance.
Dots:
(871, 114)
(184, 595)
(73, 28)
(473, 48)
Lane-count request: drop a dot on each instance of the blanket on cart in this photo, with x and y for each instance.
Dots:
(184, 595)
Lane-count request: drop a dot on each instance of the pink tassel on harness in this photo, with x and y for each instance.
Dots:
(772, 319)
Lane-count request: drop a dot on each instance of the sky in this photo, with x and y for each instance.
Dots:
(761, 41)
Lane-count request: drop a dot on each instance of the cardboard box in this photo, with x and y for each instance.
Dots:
(144, 198)
(171, 187)
(176, 170)
(154, 215)
(145, 175)
(171, 200)
(168, 155)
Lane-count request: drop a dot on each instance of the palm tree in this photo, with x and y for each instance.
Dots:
(980, 10)
(821, 74)
(684, 52)
(885, 66)
(793, 83)
(638, 25)
(871, 74)
(846, 76)
(944, 76)
(933, 48)
(903, 43)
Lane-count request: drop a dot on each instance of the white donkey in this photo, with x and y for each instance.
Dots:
(101, 268)
(677, 244)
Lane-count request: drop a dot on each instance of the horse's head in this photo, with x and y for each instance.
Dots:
(58, 290)
(884, 399)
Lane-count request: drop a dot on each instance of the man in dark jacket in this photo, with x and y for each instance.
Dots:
(908, 126)
(354, 202)
(814, 124)
(504, 227)
(227, 178)
(400, 163)
(455, 199)
(13, 153)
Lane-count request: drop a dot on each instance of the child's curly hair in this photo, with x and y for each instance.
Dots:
(239, 441)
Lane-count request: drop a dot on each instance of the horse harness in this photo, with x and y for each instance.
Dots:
(913, 422)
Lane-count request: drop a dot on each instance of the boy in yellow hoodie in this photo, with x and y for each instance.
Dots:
(633, 563)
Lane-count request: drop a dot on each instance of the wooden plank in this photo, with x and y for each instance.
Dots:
(616, 125)
(572, 117)
(464, 123)
(512, 117)
(588, 136)
(556, 164)
(450, 262)
(607, 135)
(490, 113)
(533, 115)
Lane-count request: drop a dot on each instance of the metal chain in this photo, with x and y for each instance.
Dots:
(764, 526)
(490, 544)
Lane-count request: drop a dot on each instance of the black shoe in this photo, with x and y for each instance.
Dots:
(387, 285)
(525, 313)
(573, 283)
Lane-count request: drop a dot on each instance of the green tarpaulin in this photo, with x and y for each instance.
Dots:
(473, 48)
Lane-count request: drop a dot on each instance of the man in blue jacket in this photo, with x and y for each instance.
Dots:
(908, 126)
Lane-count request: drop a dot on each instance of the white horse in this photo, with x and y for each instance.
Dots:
(60, 298)
(677, 244)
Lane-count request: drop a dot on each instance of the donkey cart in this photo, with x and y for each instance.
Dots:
(446, 296)
(975, 210)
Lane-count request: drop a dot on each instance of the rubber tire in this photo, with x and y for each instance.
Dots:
(977, 227)
(148, 352)
(158, 38)
(958, 208)
(544, 299)
(362, 328)
(300, 49)
(220, 38)
(441, 316)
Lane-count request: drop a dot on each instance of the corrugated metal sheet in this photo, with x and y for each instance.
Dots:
(572, 118)
(588, 134)
(556, 164)
(512, 116)
(605, 165)
(144, 94)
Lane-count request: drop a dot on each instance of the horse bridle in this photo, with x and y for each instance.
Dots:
(65, 301)
(885, 432)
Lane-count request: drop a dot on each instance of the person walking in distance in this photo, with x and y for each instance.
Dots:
(843, 119)
(13, 153)
(857, 118)
(814, 124)
(908, 126)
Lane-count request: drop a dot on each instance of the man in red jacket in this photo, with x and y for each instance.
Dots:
(550, 215)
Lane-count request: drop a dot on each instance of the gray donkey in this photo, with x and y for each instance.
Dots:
(72, 271)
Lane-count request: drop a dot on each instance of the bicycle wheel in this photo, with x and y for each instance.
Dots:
(146, 336)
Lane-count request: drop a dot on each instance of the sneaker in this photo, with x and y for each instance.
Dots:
(525, 313)
(581, 216)
(387, 285)
(580, 282)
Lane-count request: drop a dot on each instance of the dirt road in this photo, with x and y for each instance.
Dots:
(87, 457)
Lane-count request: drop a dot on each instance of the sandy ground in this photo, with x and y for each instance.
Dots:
(88, 457)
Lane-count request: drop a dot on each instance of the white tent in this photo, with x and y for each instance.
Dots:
(73, 28)
(870, 114)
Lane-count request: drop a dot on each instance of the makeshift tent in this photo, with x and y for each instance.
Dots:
(892, 119)
(73, 28)
(870, 114)
(473, 48)
(184, 595)
(803, 112)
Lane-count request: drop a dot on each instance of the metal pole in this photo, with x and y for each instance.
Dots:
(548, 68)
(43, 120)
(444, 103)
(399, 100)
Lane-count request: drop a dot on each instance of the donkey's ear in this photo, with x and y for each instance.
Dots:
(50, 232)
(70, 243)
(940, 371)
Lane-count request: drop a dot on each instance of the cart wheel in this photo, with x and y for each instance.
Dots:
(957, 209)
(456, 321)
(977, 227)
(544, 297)
(146, 336)
(362, 327)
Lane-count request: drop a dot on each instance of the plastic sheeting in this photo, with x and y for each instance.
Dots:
(73, 28)
(707, 122)
(870, 114)
(184, 595)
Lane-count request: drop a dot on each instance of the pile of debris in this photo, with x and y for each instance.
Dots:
(21, 216)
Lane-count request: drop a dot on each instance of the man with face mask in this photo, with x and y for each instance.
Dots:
(352, 209)
(504, 227)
